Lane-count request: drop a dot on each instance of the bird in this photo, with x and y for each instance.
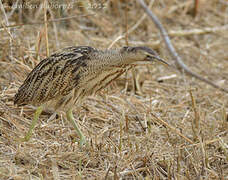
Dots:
(67, 77)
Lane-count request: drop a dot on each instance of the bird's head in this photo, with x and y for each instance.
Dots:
(141, 53)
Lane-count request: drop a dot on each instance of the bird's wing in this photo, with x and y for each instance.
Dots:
(54, 76)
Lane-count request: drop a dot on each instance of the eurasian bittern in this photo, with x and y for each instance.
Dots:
(70, 75)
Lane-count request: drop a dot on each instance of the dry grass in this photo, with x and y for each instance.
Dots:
(175, 129)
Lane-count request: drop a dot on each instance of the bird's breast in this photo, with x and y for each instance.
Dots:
(99, 79)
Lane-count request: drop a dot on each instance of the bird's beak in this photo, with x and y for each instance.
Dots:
(158, 59)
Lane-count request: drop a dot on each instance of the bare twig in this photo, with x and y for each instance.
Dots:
(130, 30)
(9, 31)
(55, 29)
(46, 27)
(179, 63)
(106, 175)
(207, 142)
(196, 120)
(196, 7)
(160, 121)
(198, 31)
(55, 170)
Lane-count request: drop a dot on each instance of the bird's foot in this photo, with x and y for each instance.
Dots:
(82, 141)
(24, 139)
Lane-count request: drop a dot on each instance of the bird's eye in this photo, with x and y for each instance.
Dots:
(148, 57)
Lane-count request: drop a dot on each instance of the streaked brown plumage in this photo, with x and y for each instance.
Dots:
(70, 75)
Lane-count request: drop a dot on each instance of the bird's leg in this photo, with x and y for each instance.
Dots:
(136, 86)
(70, 118)
(34, 121)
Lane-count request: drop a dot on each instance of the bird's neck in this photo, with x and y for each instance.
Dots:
(109, 57)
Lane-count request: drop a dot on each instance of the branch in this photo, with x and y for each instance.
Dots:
(178, 61)
(198, 31)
